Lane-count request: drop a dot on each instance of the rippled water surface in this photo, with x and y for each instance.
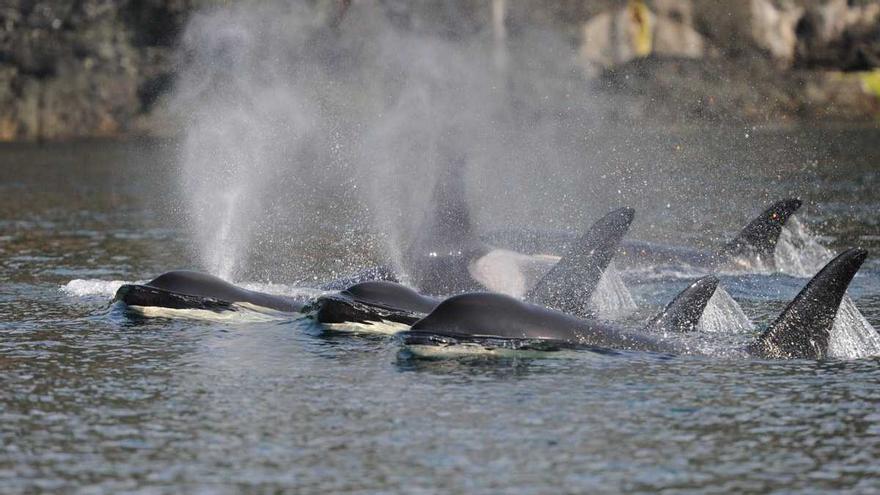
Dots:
(96, 401)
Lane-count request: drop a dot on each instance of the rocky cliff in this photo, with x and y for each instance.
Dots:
(84, 68)
(89, 68)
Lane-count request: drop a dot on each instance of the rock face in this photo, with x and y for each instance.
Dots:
(83, 69)
(773, 27)
(840, 36)
(831, 33)
(634, 31)
(87, 68)
(756, 60)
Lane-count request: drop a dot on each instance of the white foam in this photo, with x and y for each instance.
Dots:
(666, 272)
(612, 300)
(509, 272)
(283, 289)
(723, 314)
(512, 273)
(852, 336)
(499, 271)
(383, 327)
(798, 252)
(96, 287)
(93, 287)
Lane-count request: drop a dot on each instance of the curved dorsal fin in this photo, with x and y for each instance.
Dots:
(683, 313)
(568, 286)
(447, 227)
(760, 236)
(804, 328)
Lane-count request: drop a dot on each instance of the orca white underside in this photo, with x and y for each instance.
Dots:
(383, 327)
(510, 273)
(238, 313)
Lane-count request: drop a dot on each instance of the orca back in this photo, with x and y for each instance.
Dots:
(203, 285)
(476, 317)
(372, 302)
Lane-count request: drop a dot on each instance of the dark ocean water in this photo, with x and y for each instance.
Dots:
(95, 401)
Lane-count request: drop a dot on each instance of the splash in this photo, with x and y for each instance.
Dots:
(612, 299)
(723, 314)
(288, 290)
(247, 120)
(798, 252)
(852, 336)
(93, 287)
(293, 118)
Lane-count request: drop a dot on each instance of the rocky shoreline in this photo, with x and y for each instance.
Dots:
(99, 68)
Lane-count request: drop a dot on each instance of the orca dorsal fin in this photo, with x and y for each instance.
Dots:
(683, 313)
(447, 228)
(803, 329)
(568, 286)
(760, 236)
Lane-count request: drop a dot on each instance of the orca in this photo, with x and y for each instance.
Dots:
(375, 297)
(372, 274)
(574, 278)
(447, 256)
(495, 321)
(185, 289)
(378, 301)
(758, 239)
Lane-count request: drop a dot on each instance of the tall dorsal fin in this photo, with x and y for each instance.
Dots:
(804, 328)
(447, 227)
(445, 244)
(683, 313)
(570, 284)
(760, 236)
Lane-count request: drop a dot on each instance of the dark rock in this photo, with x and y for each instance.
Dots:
(85, 68)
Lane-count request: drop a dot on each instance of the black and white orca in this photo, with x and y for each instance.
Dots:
(447, 256)
(191, 290)
(567, 286)
(494, 322)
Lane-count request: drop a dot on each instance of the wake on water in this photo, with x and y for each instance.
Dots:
(853, 336)
(93, 287)
(612, 299)
(723, 314)
(798, 251)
